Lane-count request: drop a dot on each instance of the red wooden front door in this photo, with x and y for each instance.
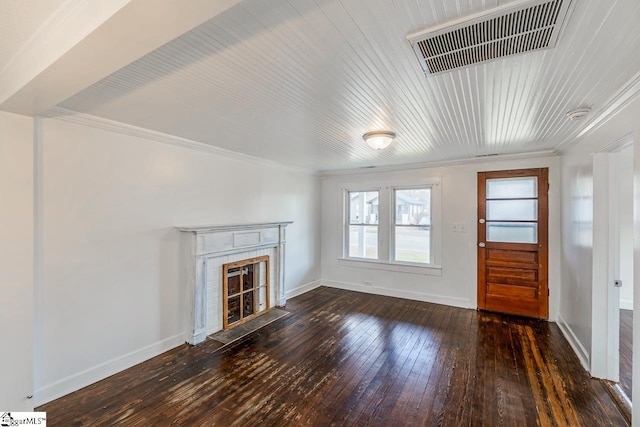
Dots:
(513, 242)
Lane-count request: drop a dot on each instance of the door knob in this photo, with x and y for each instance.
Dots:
(481, 220)
(481, 244)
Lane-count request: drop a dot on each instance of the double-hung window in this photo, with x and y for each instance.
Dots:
(362, 225)
(412, 225)
(393, 225)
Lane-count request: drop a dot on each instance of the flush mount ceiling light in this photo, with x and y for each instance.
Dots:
(379, 140)
(578, 113)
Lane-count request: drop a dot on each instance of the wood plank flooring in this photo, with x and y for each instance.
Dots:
(626, 350)
(351, 359)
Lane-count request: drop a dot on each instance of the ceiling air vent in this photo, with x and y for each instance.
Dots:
(516, 27)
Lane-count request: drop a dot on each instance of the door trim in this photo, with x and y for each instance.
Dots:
(605, 308)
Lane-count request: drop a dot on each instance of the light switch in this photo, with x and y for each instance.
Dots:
(459, 227)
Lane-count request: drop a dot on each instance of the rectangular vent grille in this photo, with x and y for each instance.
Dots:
(505, 31)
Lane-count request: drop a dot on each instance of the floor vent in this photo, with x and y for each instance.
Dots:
(517, 27)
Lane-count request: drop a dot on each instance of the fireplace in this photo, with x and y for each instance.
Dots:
(210, 252)
(245, 290)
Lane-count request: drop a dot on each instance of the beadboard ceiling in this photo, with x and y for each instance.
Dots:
(300, 81)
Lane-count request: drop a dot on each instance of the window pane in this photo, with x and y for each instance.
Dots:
(233, 311)
(363, 207)
(514, 210)
(413, 244)
(512, 188)
(363, 241)
(519, 232)
(413, 206)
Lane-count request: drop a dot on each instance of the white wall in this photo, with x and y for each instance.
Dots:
(577, 250)
(575, 314)
(16, 262)
(456, 283)
(110, 290)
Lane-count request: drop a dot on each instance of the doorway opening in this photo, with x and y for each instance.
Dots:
(622, 243)
(613, 255)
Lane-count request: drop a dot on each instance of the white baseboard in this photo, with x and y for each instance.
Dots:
(574, 342)
(626, 304)
(418, 296)
(89, 376)
(303, 289)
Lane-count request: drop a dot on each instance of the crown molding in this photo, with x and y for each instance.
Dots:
(66, 26)
(612, 107)
(59, 113)
(61, 16)
(619, 144)
(446, 163)
(89, 120)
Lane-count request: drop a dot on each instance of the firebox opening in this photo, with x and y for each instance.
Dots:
(245, 292)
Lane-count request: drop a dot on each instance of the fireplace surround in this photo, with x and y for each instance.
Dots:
(205, 250)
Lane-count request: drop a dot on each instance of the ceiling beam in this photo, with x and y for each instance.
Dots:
(85, 41)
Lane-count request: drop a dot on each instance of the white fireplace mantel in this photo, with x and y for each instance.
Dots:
(202, 244)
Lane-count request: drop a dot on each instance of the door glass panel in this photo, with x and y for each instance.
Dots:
(512, 210)
(512, 232)
(512, 188)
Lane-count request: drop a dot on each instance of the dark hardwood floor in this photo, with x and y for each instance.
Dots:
(353, 359)
(626, 350)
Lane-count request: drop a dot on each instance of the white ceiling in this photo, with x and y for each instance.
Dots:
(300, 81)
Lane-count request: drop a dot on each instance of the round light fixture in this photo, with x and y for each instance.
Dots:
(578, 113)
(379, 140)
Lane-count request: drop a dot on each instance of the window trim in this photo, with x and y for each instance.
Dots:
(386, 224)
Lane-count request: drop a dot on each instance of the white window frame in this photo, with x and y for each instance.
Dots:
(386, 228)
(392, 226)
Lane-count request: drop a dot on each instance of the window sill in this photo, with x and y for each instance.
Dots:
(425, 270)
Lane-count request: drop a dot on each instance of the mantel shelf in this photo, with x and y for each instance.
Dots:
(232, 227)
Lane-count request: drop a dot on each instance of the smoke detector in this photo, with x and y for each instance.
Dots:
(516, 27)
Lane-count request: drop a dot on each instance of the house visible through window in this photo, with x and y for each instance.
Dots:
(393, 225)
(412, 225)
(363, 224)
